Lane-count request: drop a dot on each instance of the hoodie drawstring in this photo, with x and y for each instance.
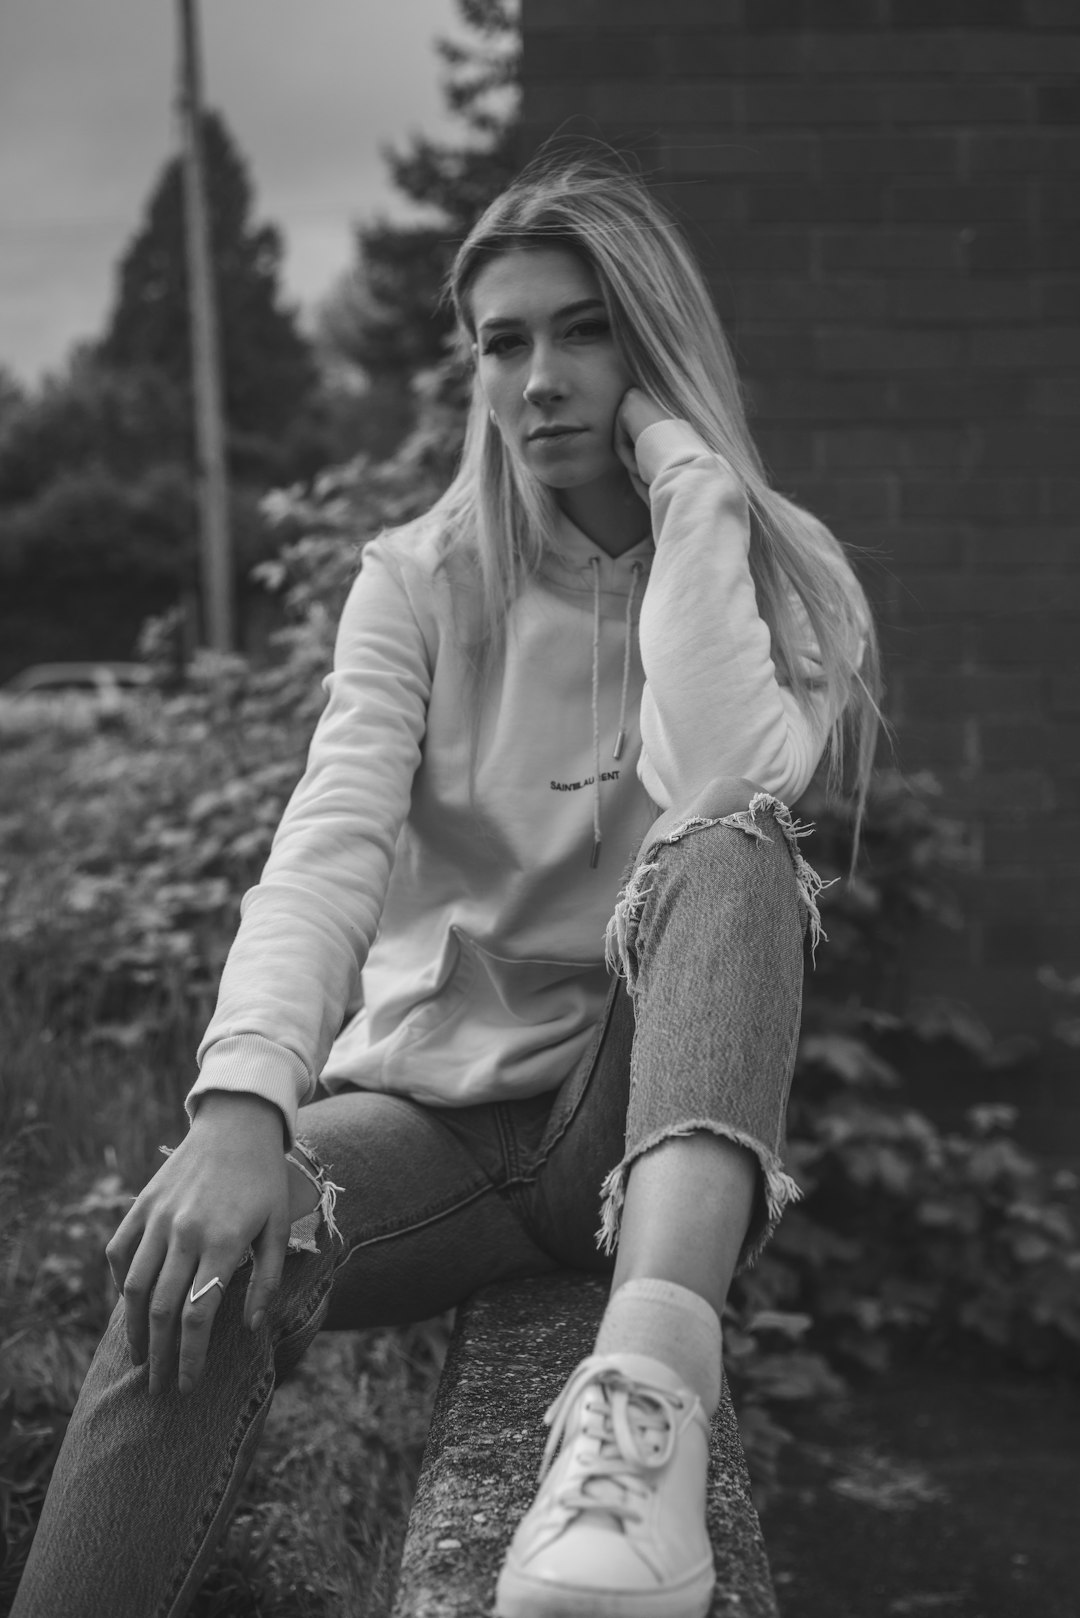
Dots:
(594, 563)
(620, 739)
(628, 631)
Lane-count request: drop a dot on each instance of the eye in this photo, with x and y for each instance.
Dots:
(589, 329)
(501, 343)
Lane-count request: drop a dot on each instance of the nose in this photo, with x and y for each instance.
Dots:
(544, 382)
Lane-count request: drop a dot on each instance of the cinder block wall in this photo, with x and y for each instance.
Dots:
(886, 194)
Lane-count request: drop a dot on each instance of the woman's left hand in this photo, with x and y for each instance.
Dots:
(636, 412)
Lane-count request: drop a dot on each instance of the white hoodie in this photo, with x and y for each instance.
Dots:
(411, 935)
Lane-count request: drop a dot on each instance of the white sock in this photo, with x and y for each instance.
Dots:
(669, 1323)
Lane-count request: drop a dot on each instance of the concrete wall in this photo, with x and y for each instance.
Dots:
(886, 194)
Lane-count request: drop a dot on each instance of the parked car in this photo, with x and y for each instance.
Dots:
(71, 699)
(100, 679)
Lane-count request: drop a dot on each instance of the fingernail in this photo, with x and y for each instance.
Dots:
(257, 1319)
(184, 1386)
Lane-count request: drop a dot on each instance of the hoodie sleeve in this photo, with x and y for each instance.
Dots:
(307, 927)
(712, 705)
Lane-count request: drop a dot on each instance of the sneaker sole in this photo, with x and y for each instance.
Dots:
(518, 1596)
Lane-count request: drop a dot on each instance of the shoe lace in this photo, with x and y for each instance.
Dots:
(630, 1428)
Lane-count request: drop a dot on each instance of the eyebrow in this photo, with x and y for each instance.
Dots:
(497, 324)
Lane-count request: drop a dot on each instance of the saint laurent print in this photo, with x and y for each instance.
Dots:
(576, 786)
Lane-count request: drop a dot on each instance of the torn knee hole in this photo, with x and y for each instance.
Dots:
(304, 1230)
(622, 928)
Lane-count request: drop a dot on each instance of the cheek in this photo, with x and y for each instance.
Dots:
(615, 382)
(604, 414)
(499, 393)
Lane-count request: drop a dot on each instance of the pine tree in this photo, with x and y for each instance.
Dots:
(386, 316)
(268, 367)
(12, 395)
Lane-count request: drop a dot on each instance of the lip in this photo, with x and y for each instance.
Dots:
(554, 430)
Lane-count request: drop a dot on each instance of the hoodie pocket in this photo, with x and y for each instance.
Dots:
(426, 1015)
(494, 1024)
(368, 1046)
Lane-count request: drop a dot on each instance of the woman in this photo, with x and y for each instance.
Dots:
(573, 699)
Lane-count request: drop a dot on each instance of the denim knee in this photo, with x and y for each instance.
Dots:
(756, 821)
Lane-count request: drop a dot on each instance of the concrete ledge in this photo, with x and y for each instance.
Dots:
(513, 1348)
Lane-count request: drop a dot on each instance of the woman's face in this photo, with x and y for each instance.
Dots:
(548, 365)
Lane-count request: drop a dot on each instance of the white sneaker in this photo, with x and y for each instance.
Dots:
(617, 1529)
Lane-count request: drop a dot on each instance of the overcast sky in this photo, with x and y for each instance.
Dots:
(310, 88)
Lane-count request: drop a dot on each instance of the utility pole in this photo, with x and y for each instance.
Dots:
(215, 544)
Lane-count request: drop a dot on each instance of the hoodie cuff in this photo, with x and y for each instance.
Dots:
(667, 443)
(249, 1064)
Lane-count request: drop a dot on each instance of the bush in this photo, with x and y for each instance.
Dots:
(913, 1238)
(133, 844)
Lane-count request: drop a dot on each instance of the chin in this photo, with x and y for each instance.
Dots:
(575, 477)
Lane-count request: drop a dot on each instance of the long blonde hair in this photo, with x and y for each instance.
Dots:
(500, 518)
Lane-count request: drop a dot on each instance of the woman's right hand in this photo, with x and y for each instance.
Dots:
(224, 1189)
(637, 410)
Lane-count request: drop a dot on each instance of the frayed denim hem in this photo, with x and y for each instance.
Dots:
(779, 1188)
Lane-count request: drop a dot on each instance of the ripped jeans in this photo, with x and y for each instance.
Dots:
(434, 1204)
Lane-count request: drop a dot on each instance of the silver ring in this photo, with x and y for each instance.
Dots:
(215, 1281)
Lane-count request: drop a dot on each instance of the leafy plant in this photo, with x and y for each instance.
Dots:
(913, 1237)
